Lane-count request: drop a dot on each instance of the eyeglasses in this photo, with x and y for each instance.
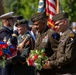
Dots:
(38, 23)
(59, 22)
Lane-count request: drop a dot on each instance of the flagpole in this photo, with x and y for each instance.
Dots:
(57, 6)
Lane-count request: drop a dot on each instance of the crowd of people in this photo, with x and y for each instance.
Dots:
(59, 44)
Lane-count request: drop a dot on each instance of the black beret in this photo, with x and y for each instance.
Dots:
(23, 21)
(60, 16)
(19, 17)
(38, 16)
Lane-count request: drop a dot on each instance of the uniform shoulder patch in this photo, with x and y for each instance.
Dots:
(71, 37)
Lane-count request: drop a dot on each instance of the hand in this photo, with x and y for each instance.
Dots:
(47, 65)
(20, 47)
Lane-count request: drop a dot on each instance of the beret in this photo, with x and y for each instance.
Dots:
(22, 21)
(60, 16)
(18, 17)
(38, 16)
(7, 15)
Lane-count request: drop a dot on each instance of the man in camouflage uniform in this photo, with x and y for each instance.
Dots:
(66, 52)
(45, 39)
(25, 44)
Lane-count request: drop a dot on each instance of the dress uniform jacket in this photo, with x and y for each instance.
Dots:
(21, 67)
(6, 33)
(66, 54)
(49, 43)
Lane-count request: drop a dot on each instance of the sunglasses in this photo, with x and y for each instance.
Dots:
(59, 22)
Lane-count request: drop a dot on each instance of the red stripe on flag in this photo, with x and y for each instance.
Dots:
(52, 5)
(51, 11)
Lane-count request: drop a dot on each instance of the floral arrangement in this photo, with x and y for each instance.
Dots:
(37, 58)
(7, 52)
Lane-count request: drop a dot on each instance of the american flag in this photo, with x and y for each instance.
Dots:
(50, 11)
(49, 6)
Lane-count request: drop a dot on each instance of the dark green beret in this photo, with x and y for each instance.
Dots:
(38, 16)
(60, 16)
(23, 21)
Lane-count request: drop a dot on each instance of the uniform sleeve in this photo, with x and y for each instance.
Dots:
(4, 34)
(13, 38)
(66, 55)
(53, 39)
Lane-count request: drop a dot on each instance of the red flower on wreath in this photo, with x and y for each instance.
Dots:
(37, 58)
(30, 61)
(1, 53)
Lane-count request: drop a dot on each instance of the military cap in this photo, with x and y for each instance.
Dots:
(60, 16)
(38, 16)
(18, 17)
(23, 21)
(7, 15)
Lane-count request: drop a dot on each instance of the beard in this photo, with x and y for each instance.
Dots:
(9, 25)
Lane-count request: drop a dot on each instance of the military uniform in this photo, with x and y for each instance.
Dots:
(65, 60)
(49, 43)
(6, 32)
(8, 69)
(46, 39)
(66, 54)
(21, 67)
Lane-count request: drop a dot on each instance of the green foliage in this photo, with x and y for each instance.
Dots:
(28, 7)
(70, 7)
(22, 7)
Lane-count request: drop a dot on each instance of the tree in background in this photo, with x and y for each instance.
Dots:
(70, 7)
(1, 7)
(25, 8)
(28, 7)
(7, 5)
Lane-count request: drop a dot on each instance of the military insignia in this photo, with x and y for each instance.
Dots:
(71, 39)
(56, 36)
(45, 39)
(63, 41)
(72, 35)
